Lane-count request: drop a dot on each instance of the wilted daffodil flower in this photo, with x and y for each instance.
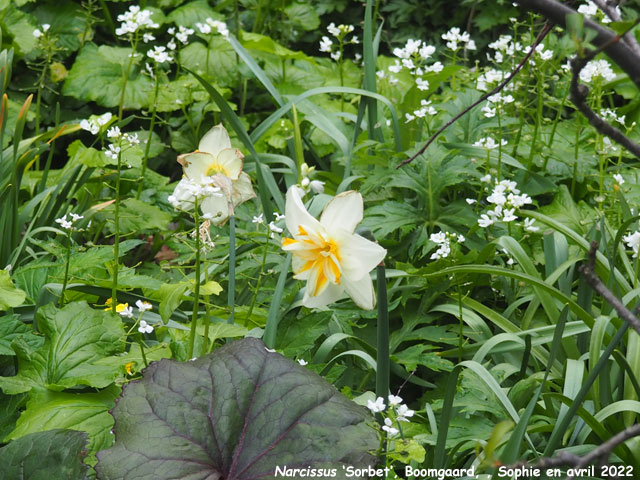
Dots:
(215, 159)
(328, 254)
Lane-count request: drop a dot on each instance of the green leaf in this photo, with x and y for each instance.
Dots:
(76, 336)
(10, 296)
(97, 75)
(45, 455)
(406, 451)
(210, 288)
(135, 216)
(170, 298)
(86, 412)
(237, 413)
(90, 157)
(418, 355)
(191, 13)
(303, 16)
(298, 335)
(217, 61)
(12, 327)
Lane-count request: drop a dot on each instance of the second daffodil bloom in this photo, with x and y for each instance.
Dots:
(328, 254)
(216, 159)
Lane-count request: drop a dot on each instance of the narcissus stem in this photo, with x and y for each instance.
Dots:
(382, 360)
(196, 290)
(231, 298)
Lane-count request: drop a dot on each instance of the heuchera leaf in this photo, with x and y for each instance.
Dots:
(235, 414)
(44, 456)
(75, 337)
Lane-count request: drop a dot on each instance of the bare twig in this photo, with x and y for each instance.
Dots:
(580, 92)
(611, 12)
(619, 52)
(588, 270)
(543, 33)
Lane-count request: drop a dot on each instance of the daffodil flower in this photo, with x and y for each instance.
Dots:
(328, 254)
(218, 160)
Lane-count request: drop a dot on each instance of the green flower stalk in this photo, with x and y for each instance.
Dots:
(67, 225)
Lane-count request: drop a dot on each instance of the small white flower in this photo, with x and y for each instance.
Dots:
(274, 228)
(127, 312)
(388, 428)
(89, 126)
(75, 217)
(144, 327)
(316, 186)
(633, 242)
(259, 219)
(143, 306)
(394, 400)
(113, 132)
(45, 27)
(377, 406)
(403, 412)
(278, 216)
(37, 33)
(471, 201)
(64, 223)
(618, 178)
(302, 362)
(508, 215)
(486, 178)
(528, 225)
(484, 221)
(147, 37)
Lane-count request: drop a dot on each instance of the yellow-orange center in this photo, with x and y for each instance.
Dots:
(321, 255)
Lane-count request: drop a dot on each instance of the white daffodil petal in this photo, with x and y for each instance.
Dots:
(358, 256)
(297, 215)
(215, 140)
(330, 295)
(361, 292)
(217, 207)
(242, 189)
(197, 165)
(344, 211)
(229, 161)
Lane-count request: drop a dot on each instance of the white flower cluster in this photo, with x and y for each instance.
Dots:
(504, 47)
(540, 52)
(633, 242)
(316, 186)
(413, 56)
(187, 190)
(209, 24)
(495, 103)
(182, 36)
(454, 37)
(39, 33)
(597, 69)
(94, 123)
(590, 9)
(340, 33)
(424, 110)
(443, 240)
(135, 19)
(491, 78)
(160, 55)
(68, 224)
(488, 143)
(506, 199)
(611, 116)
(119, 141)
(402, 412)
(618, 178)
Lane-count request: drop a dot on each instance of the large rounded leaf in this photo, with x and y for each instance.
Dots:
(235, 414)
